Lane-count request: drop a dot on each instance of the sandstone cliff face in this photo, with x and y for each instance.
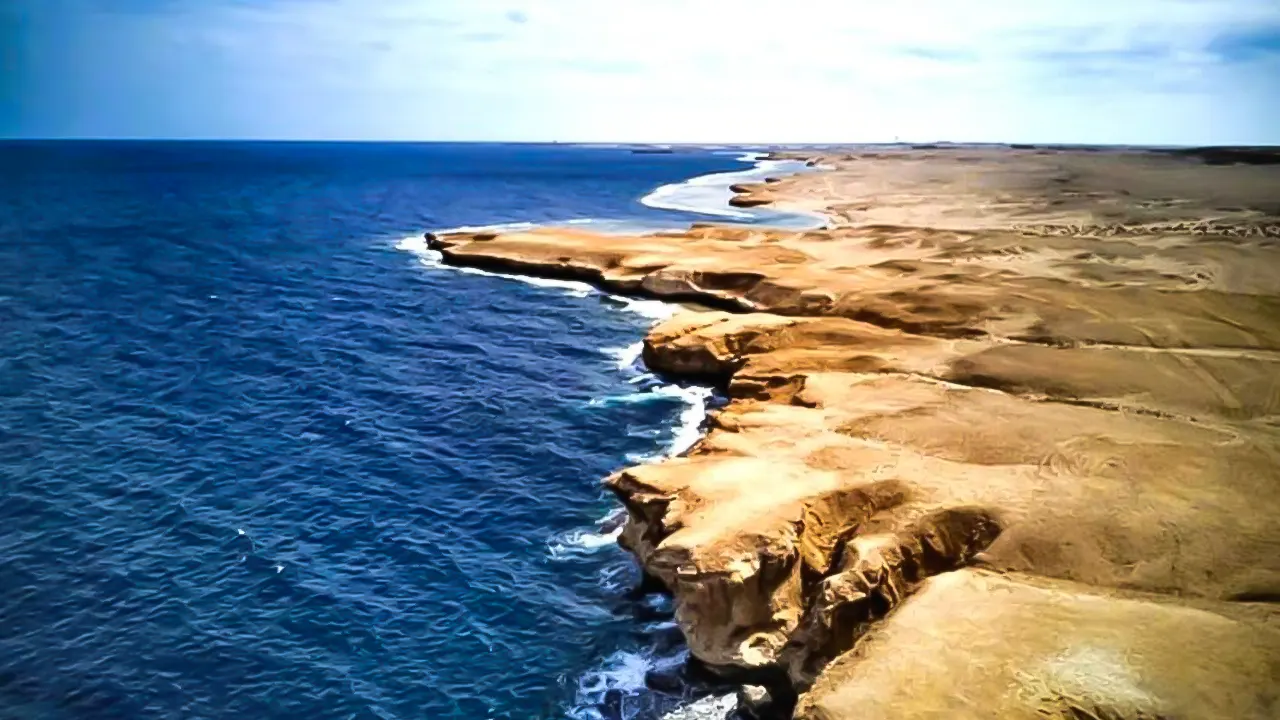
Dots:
(971, 367)
(833, 484)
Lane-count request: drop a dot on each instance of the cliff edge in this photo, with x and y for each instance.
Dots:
(1003, 439)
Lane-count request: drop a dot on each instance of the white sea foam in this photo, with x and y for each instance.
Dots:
(417, 244)
(496, 227)
(692, 395)
(705, 195)
(643, 432)
(711, 707)
(622, 672)
(597, 225)
(710, 194)
(661, 603)
(621, 227)
(625, 357)
(582, 542)
(570, 287)
(651, 309)
(433, 259)
(616, 579)
(658, 626)
(687, 430)
(577, 543)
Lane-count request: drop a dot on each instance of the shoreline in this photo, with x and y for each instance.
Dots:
(918, 402)
(719, 189)
(697, 397)
(716, 705)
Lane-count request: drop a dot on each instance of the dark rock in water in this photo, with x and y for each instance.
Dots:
(611, 708)
(665, 640)
(663, 681)
(640, 613)
(648, 585)
(760, 694)
(615, 520)
(700, 672)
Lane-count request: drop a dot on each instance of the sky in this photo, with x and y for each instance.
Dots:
(1155, 72)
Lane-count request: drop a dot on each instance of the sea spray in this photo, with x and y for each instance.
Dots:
(625, 357)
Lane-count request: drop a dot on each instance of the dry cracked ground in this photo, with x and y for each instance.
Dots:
(1003, 439)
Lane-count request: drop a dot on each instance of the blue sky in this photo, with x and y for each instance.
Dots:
(1108, 71)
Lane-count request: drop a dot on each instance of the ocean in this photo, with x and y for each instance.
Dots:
(261, 456)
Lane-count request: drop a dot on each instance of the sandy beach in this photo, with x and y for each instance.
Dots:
(1002, 439)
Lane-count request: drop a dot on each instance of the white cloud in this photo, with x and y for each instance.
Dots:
(706, 70)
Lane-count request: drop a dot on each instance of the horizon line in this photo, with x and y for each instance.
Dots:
(621, 143)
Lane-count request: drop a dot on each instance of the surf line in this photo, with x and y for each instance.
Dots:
(625, 672)
(704, 194)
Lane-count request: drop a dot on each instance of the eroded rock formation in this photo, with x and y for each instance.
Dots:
(935, 383)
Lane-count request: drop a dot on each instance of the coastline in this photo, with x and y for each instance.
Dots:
(623, 674)
(888, 353)
(621, 678)
(714, 194)
(704, 200)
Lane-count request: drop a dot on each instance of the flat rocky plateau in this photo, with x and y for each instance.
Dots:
(1003, 439)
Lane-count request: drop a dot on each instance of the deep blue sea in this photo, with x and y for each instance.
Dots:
(261, 457)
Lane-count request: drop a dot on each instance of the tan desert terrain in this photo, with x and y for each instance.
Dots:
(1003, 439)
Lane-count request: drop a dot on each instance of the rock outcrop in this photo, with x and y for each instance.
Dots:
(935, 383)
(747, 195)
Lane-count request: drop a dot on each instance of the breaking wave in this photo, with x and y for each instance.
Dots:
(618, 688)
(625, 357)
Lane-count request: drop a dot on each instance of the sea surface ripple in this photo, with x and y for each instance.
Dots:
(258, 462)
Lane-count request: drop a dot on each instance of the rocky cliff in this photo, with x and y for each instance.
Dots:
(1002, 440)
